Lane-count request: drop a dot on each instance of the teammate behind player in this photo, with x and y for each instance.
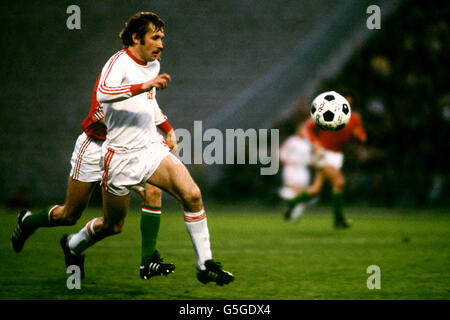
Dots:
(296, 157)
(328, 148)
(131, 154)
(84, 175)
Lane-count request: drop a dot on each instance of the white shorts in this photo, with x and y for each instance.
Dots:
(330, 158)
(122, 171)
(296, 176)
(86, 159)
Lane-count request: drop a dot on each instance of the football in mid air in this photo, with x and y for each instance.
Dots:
(330, 111)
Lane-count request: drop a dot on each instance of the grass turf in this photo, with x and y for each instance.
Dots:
(270, 258)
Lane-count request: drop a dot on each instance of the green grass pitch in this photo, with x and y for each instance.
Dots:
(270, 258)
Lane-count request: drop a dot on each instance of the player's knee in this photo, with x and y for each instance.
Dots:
(70, 216)
(339, 184)
(152, 195)
(314, 191)
(193, 195)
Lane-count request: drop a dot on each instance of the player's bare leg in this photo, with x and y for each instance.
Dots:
(316, 187)
(335, 177)
(114, 211)
(173, 177)
(77, 199)
(337, 181)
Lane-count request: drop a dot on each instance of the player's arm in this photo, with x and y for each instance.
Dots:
(359, 131)
(160, 82)
(163, 124)
(171, 139)
(111, 89)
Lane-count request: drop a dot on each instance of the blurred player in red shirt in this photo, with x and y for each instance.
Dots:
(328, 148)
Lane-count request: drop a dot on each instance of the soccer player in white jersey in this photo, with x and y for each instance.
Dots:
(296, 155)
(86, 172)
(132, 154)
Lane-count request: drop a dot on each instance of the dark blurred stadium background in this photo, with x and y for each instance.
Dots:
(238, 64)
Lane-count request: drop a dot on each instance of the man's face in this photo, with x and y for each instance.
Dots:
(151, 46)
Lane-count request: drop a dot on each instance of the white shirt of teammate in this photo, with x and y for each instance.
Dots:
(296, 155)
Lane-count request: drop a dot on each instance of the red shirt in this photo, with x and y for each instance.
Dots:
(91, 125)
(335, 140)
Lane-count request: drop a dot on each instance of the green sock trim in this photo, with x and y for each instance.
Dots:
(337, 203)
(38, 219)
(150, 223)
(302, 197)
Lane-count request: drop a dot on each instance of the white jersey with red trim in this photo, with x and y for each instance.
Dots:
(130, 116)
(296, 155)
(296, 151)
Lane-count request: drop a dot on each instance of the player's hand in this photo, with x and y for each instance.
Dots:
(171, 140)
(360, 135)
(160, 82)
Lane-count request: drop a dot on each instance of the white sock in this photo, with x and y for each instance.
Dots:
(82, 240)
(297, 211)
(197, 228)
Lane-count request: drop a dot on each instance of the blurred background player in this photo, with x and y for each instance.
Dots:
(296, 157)
(86, 172)
(328, 147)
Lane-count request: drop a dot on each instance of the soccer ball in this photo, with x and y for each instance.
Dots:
(330, 111)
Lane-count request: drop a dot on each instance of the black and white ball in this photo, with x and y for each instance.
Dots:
(330, 111)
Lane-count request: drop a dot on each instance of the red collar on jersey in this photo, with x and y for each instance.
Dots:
(138, 61)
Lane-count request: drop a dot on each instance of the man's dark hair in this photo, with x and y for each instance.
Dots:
(139, 24)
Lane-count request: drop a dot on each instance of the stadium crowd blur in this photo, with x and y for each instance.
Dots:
(399, 83)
